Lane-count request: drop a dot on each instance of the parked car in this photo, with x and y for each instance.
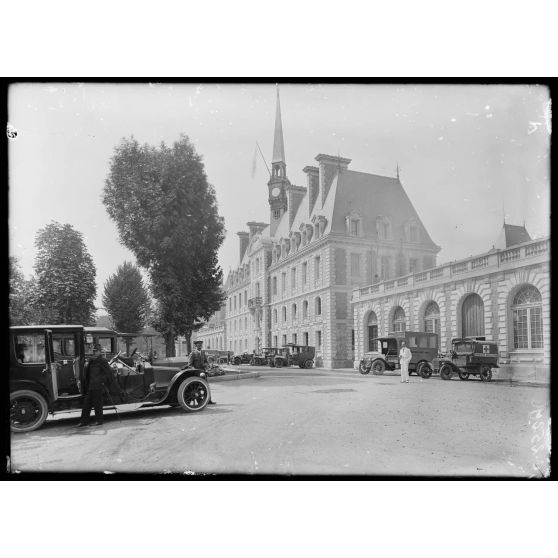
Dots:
(242, 358)
(423, 346)
(469, 356)
(292, 354)
(47, 376)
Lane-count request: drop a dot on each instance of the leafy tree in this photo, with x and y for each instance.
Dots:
(22, 310)
(65, 274)
(166, 214)
(125, 298)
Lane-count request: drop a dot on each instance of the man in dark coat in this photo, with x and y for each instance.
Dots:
(198, 360)
(98, 376)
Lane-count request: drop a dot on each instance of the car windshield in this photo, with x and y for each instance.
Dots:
(466, 347)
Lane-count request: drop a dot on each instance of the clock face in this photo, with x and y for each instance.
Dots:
(275, 192)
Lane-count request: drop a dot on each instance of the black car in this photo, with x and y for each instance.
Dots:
(469, 356)
(47, 366)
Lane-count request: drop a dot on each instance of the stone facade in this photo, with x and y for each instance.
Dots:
(295, 275)
(497, 277)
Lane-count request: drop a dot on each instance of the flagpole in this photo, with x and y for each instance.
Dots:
(258, 146)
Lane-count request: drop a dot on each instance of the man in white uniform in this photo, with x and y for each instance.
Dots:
(405, 356)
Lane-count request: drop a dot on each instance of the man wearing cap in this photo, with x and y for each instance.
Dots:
(98, 374)
(198, 360)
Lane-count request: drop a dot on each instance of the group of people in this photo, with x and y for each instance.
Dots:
(99, 377)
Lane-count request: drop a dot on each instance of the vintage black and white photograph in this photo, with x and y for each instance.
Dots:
(288, 279)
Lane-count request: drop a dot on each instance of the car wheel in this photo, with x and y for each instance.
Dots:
(425, 370)
(363, 369)
(309, 363)
(486, 374)
(446, 372)
(193, 394)
(28, 410)
(237, 361)
(463, 375)
(278, 363)
(271, 364)
(378, 367)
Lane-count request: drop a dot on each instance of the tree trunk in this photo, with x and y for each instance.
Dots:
(170, 349)
(188, 338)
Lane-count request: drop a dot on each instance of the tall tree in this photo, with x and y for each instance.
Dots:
(166, 214)
(22, 310)
(125, 298)
(65, 274)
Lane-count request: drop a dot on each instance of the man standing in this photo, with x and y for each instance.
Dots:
(405, 356)
(98, 375)
(198, 360)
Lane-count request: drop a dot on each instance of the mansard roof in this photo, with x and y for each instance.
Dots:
(371, 195)
(510, 235)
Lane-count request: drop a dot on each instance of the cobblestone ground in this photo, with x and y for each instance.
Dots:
(313, 422)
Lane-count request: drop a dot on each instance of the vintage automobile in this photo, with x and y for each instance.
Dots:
(47, 367)
(469, 356)
(292, 354)
(215, 356)
(423, 346)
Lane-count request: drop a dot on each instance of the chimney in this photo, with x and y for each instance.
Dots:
(244, 240)
(329, 166)
(294, 197)
(313, 176)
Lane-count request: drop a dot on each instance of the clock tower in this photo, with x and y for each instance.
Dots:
(278, 182)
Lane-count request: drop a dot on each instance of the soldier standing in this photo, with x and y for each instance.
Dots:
(198, 360)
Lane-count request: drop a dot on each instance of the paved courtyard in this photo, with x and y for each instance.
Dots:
(312, 422)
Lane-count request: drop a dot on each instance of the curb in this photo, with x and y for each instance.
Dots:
(234, 376)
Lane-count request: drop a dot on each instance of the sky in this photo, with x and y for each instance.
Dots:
(469, 155)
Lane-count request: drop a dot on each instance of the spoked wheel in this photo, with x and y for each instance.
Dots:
(424, 370)
(278, 363)
(486, 374)
(378, 367)
(363, 369)
(446, 372)
(28, 410)
(463, 375)
(237, 361)
(193, 394)
(309, 363)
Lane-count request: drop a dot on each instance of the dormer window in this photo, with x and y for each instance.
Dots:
(353, 223)
(383, 228)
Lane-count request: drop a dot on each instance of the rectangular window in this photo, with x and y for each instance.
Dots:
(354, 227)
(353, 339)
(317, 264)
(275, 285)
(30, 349)
(294, 338)
(318, 339)
(304, 272)
(413, 265)
(284, 339)
(234, 304)
(520, 329)
(355, 265)
(305, 338)
(245, 298)
(536, 327)
(385, 272)
(293, 278)
(283, 282)
(275, 340)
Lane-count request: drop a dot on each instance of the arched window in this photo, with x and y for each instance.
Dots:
(372, 331)
(472, 316)
(275, 315)
(294, 312)
(399, 320)
(318, 306)
(432, 319)
(305, 310)
(284, 313)
(527, 319)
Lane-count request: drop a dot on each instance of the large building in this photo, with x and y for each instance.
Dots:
(503, 294)
(297, 270)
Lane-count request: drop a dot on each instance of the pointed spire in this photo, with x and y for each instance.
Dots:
(397, 170)
(278, 148)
